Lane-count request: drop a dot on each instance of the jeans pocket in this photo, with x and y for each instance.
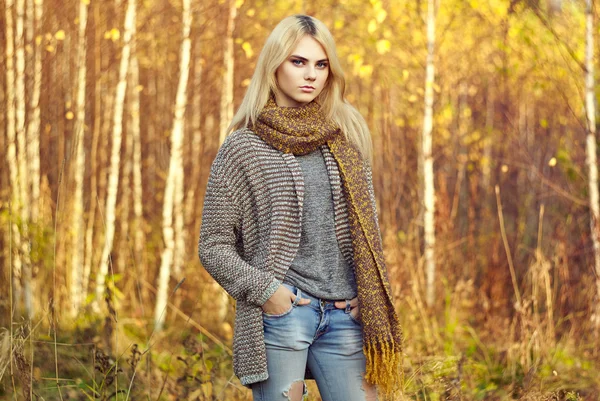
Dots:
(354, 319)
(279, 315)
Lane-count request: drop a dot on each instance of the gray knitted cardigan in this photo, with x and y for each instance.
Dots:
(251, 232)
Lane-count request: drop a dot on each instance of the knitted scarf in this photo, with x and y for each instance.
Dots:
(301, 130)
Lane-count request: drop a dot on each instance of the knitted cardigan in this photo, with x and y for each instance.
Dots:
(251, 229)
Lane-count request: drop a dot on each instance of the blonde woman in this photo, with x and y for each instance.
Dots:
(289, 230)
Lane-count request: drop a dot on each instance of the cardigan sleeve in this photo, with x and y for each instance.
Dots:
(221, 220)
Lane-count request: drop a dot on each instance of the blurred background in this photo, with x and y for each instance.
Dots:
(485, 173)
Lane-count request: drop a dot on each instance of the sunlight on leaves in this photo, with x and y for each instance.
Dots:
(383, 46)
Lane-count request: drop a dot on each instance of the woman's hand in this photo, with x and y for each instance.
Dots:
(281, 301)
(353, 306)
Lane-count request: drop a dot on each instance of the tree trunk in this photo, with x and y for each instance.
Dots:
(11, 153)
(428, 188)
(91, 218)
(174, 187)
(487, 143)
(77, 223)
(590, 108)
(196, 134)
(227, 87)
(33, 128)
(113, 180)
(137, 165)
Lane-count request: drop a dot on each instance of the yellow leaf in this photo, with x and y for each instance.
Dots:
(338, 24)
(504, 168)
(115, 34)
(251, 12)
(86, 2)
(246, 82)
(381, 14)
(69, 115)
(38, 40)
(107, 35)
(68, 104)
(552, 162)
(405, 74)
(207, 389)
(48, 36)
(139, 88)
(60, 35)
(412, 98)
(383, 46)
(50, 48)
(365, 71)
(239, 3)
(372, 26)
(247, 49)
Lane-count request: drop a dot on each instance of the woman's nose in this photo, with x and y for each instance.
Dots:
(310, 74)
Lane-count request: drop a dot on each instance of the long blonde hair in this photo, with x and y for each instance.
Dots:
(278, 47)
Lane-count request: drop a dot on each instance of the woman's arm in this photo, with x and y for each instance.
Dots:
(220, 220)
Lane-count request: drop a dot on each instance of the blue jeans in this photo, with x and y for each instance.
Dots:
(321, 337)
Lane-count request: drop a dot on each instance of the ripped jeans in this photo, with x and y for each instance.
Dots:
(321, 337)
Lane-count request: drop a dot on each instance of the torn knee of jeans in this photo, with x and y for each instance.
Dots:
(297, 391)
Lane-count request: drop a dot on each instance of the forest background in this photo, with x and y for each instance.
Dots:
(113, 110)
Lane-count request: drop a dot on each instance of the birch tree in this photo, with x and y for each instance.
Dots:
(113, 179)
(174, 189)
(137, 160)
(590, 109)
(89, 230)
(22, 148)
(227, 88)
(33, 129)
(427, 159)
(77, 224)
(11, 140)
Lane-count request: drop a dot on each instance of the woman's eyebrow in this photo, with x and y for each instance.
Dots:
(305, 59)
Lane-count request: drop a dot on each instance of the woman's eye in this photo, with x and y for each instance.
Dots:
(297, 62)
(322, 65)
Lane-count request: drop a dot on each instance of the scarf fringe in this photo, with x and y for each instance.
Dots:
(384, 367)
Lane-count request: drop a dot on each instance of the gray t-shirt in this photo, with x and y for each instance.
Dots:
(319, 267)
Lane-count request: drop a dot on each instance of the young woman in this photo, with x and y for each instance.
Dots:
(289, 229)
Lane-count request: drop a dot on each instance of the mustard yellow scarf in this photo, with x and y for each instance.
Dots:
(301, 130)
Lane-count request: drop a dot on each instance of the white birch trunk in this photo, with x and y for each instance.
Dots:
(125, 184)
(91, 220)
(196, 149)
(590, 108)
(33, 128)
(137, 163)
(175, 177)
(113, 180)
(77, 223)
(21, 110)
(428, 188)
(227, 88)
(11, 153)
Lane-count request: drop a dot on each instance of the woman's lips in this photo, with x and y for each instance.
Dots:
(307, 89)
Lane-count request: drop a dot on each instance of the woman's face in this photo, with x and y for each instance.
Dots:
(303, 75)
